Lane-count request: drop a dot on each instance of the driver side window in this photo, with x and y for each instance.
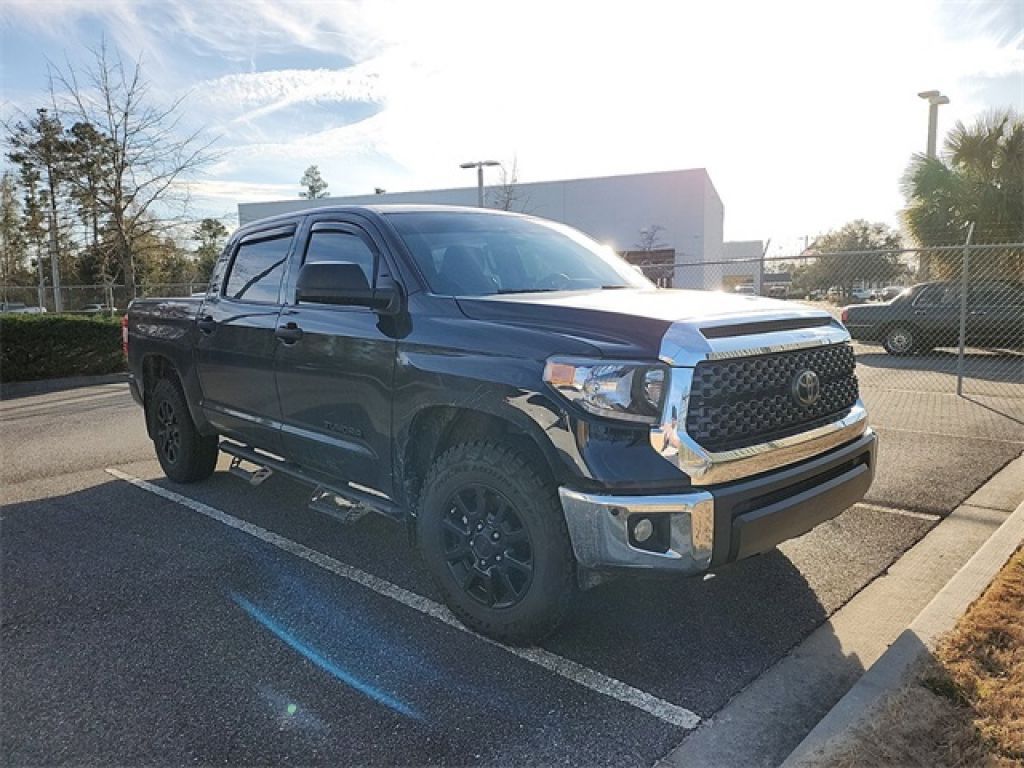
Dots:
(342, 245)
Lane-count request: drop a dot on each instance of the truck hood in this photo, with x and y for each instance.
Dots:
(633, 322)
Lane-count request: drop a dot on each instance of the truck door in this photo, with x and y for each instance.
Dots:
(236, 341)
(335, 370)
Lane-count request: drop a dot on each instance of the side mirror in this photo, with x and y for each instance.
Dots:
(344, 283)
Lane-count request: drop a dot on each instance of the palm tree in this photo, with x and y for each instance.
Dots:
(979, 179)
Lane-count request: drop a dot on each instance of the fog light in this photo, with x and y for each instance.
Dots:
(642, 530)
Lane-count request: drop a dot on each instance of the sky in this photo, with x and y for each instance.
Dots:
(805, 114)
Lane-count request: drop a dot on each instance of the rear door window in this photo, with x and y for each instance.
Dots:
(996, 295)
(257, 269)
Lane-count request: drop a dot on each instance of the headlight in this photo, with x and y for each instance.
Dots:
(617, 390)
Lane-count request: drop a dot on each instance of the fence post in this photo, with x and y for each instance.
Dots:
(963, 311)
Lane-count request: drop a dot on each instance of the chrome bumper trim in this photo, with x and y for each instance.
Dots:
(598, 530)
(670, 441)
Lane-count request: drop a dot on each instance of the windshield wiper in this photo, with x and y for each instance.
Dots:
(613, 287)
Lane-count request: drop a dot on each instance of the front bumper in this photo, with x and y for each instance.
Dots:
(711, 526)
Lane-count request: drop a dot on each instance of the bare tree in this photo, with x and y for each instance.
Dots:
(142, 190)
(508, 195)
(650, 238)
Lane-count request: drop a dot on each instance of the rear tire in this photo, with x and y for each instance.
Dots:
(184, 455)
(493, 536)
(900, 340)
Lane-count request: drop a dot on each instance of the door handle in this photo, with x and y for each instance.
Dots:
(206, 324)
(978, 312)
(920, 311)
(288, 333)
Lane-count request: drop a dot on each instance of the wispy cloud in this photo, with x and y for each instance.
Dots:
(254, 95)
(804, 112)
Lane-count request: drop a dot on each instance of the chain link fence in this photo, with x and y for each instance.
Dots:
(88, 299)
(947, 319)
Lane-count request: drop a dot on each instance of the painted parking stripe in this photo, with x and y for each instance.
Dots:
(566, 668)
(1007, 441)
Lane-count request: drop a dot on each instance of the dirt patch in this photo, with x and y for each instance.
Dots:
(964, 706)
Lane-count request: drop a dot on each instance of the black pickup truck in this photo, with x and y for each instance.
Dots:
(535, 411)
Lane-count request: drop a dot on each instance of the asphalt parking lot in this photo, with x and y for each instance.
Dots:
(223, 623)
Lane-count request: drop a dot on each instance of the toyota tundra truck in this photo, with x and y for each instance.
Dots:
(536, 413)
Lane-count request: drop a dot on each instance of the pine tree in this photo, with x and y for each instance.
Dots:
(314, 186)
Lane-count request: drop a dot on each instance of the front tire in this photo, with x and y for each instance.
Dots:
(184, 454)
(900, 340)
(493, 536)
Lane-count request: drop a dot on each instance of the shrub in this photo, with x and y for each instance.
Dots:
(52, 346)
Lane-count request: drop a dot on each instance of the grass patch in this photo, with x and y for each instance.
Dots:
(965, 705)
(984, 658)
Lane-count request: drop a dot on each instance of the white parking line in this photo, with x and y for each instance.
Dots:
(897, 511)
(570, 670)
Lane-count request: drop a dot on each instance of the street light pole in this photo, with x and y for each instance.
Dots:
(934, 98)
(479, 165)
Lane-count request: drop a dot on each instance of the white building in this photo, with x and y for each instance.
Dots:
(745, 256)
(611, 209)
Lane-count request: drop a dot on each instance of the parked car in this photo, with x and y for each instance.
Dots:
(928, 315)
(15, 308)
(535, 412)
(97, 309)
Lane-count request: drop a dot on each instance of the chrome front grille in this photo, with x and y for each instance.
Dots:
(743, 401)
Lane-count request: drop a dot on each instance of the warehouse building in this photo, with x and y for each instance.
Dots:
(681, 209)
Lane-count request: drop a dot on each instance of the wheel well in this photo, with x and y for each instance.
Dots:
(154, 368)
(434, 430)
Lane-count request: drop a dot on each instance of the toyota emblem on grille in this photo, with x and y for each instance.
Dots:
(806, 388)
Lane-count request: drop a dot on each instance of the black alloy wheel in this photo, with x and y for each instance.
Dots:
(168, 433)
(493, 536)
(185, 455)
(486, 546)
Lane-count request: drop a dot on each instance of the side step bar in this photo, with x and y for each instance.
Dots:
(343, 503)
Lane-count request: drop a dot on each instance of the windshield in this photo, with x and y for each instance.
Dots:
(479, 254)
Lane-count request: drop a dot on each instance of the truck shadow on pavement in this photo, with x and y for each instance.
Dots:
(693, 640)
(91, 578)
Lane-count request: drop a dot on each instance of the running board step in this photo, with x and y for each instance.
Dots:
(329, 503)
(343, 503)
(253, 476)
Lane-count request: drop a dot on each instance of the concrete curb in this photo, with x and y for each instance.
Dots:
(17, 389)
(894, 668)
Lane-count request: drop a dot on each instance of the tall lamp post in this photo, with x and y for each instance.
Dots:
(934, 99)
(479, 165)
